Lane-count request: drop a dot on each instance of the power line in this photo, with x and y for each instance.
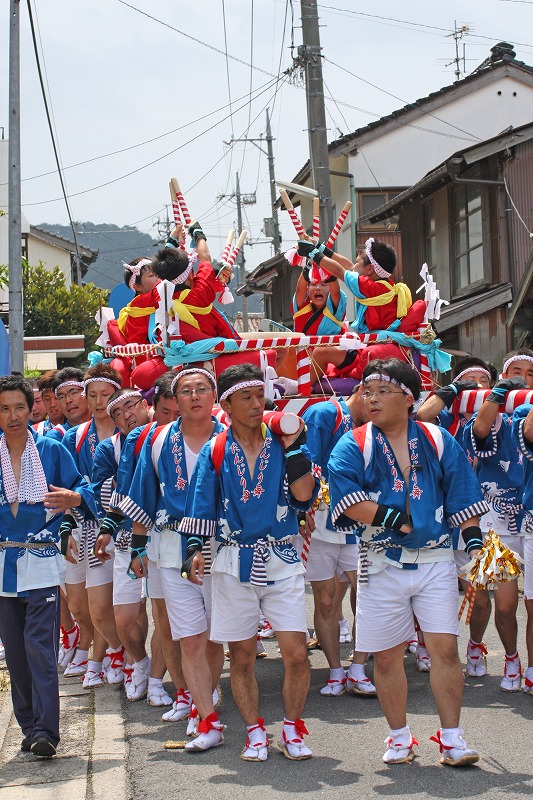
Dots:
(150, 163)
(56, 153)
(194, 39)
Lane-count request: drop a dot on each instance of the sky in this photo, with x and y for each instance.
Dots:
(145, 90)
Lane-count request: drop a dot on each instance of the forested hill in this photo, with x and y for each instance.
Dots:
(114, 246)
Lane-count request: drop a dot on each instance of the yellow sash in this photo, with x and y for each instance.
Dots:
(399, 290)
(132, 311)
(185, 311)
(325, 311)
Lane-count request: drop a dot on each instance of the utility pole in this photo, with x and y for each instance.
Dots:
(276, 239)
(240, 257)
(16, 318)
(311, 59)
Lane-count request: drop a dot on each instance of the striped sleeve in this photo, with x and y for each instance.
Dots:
(476, 509)
(206, 528)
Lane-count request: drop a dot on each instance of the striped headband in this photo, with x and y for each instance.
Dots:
(80, 384)
(237, 386)
(193, 258)
(192, 371)
(515, 358)
(380, 376)
(474, 369)
(98, 379)
(135, 270)
(377, 268)
(124, 396)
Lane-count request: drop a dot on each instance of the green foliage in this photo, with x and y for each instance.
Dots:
(4, 276)
(53, 309)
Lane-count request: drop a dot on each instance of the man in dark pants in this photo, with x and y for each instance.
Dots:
(38, 482)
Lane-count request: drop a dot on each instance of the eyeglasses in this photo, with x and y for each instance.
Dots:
(70, 395)
(201, 391)
(121, 412)
(381, 393)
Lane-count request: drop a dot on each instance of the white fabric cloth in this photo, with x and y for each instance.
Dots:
(33, 485)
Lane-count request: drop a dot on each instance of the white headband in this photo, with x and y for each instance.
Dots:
(237, 386)
(80, 384)
(124, 396)
(379, 376)
(192, 371)
(377, 268)
(135, 270)
(515, 358)
(103, 380)
(474, 369)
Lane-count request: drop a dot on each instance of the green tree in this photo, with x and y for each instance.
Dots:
(51, 308)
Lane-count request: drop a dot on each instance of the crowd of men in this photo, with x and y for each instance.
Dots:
(105, 500)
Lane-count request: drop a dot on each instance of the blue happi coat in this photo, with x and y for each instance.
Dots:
(245, 511)
(442, 492)
(24, 569)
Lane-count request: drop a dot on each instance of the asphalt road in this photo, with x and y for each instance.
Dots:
(346, 736)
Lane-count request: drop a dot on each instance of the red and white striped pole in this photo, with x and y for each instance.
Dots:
(298, 227)
(303, 371)
(181, 201)
(316, 218)
(227, 246)
(235, 252)
(338, 225)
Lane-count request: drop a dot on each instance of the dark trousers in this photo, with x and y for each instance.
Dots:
(29, 629)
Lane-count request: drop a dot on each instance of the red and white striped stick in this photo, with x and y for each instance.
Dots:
(236, 250)
(338, 225)
(175, 205)
(316, 218)
(227, 246)
(181, 201)
(298, 227)
(303, 371)
(471, 400)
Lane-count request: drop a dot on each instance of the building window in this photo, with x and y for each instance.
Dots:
(430, 236)
(368, 202)
(468, 237)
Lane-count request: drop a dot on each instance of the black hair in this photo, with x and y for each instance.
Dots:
(237, 373)
(103, 371)
(384, 254)
(169, 263)
(163, 387)
(398, 370)
(521, 351)
(16, 383)
(45, 381)
(128, 273)
(67, 374)
(470, 362)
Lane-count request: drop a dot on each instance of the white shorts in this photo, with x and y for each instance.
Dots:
(461, 559)
(326, 559)
(75, 573)
(100, 575)
(154, 587)
(126, 590)
(528, 569)
(386, 604)
(237, 607)
(188, 605)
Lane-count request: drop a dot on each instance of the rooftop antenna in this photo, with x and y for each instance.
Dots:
(458, 33)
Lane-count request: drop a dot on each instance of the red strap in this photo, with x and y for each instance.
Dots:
(83, 435)
(338, 418)
(140, 441)
(156, 433)
(359, 435)
(218, 449)
(429, 435)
